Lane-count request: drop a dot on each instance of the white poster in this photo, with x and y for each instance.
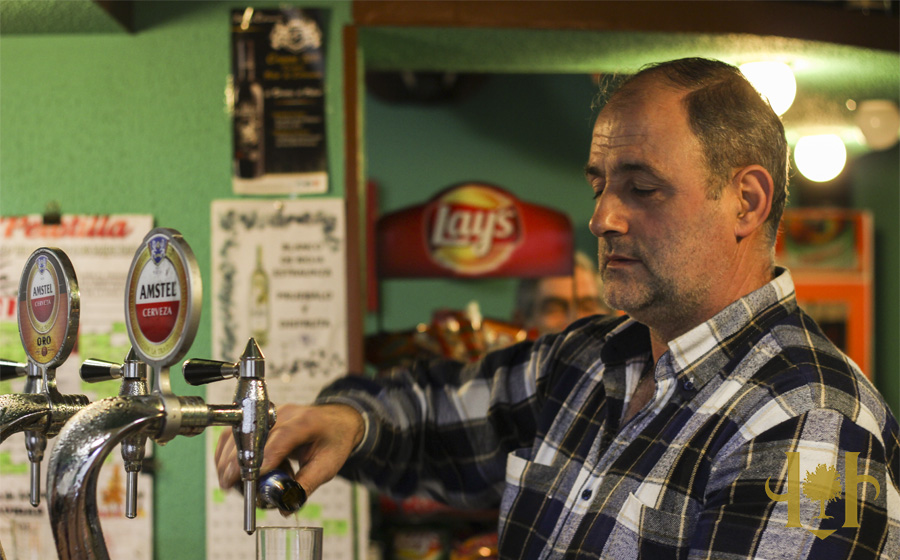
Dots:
(101, 248)
(279, 276)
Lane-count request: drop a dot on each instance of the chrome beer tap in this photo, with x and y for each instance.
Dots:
(162, 306)
(254, 414)
(48, 312)
(133, 374)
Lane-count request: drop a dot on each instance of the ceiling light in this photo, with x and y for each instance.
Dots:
(820, 157)
(774, 81)
(879, 121)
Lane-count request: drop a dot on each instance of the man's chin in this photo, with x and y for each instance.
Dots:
(629, 303)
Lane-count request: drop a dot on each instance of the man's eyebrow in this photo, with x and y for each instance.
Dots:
(591, 170)
(623, 167)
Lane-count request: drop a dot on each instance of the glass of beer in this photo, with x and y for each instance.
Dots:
(289, 543)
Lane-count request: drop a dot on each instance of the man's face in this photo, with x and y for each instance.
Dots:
(662, 241)
(557, 304)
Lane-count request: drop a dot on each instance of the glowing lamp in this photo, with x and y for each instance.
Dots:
(774, 81)
(820, 157)
(879, 121)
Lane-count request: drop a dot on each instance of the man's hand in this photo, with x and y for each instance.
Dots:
(320, 437)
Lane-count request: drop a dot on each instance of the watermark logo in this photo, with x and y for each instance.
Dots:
(823, 485)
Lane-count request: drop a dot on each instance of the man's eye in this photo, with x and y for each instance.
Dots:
(597, 194)
(644, 192)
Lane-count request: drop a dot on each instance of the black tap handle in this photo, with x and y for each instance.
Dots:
(93, 370)
(201, 372)
(11, 370)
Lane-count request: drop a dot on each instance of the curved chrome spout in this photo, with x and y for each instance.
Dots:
(75, 463)
(22, 411)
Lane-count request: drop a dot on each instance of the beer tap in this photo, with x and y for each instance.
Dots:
(162, 305)
(48, 312)
(133, 374)
(254, 414)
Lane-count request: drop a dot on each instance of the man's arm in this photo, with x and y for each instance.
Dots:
(815, 486)
(441, 428)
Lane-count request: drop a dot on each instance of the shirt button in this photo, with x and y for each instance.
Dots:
(689, 384)
(586, 495)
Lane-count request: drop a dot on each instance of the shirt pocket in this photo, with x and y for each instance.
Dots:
(653, 528)
(522, 471)
(516, 464)
(529, 486)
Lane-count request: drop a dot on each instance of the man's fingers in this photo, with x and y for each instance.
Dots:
(321, 437)
(291, 436)
(319, 469)
(224, 437)
(226, 461)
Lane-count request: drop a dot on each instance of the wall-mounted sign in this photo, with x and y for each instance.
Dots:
(474, 230)
(279, 275)
(278, 101)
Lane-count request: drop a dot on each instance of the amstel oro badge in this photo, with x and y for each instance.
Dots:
(48, 307)
(472, 229)
(162, 299)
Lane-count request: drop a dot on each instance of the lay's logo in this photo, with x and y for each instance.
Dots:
(472, 229)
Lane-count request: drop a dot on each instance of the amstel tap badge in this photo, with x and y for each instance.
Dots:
(472, 229)
(43, 285)
(48, 306)
(155, 297)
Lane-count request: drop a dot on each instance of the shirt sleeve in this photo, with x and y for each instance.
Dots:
(442, 429)
(815, 486)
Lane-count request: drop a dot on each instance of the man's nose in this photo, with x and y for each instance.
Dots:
(609, 216)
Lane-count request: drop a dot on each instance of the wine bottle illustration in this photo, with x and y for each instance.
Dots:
(258, 314)
(249, 135)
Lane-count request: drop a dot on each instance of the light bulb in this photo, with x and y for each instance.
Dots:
(774, 81)
(879, 121)
(820, 157)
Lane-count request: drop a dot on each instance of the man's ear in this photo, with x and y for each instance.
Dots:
(754, 188)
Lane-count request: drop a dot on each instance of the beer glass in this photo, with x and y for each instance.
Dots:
(289, 543)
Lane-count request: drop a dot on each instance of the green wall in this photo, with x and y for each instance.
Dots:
(137, 123)
(875, 186)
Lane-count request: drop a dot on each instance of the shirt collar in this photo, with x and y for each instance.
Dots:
(702, 352)
(699, 354)
(626, 340)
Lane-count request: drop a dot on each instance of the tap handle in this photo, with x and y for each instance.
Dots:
(10, 369)
(201, 372)
(93, 370)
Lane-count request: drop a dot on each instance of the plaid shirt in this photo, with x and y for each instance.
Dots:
(754, 399)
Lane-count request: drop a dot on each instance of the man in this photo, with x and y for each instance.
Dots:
(550, 304)
(680, 430)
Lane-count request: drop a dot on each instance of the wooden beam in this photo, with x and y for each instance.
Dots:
(813, 21)
(356, 300)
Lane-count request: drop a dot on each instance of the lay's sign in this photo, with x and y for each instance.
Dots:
(474, 230)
